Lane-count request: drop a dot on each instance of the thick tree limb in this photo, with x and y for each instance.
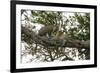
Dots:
(45, 41)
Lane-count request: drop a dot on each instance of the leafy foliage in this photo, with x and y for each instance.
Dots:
(74, 25)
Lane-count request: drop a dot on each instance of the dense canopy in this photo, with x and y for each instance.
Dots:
(55, 35)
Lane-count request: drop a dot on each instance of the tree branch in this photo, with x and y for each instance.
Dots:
(48, 42)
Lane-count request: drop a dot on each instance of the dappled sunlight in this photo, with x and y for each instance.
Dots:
(49, 36)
